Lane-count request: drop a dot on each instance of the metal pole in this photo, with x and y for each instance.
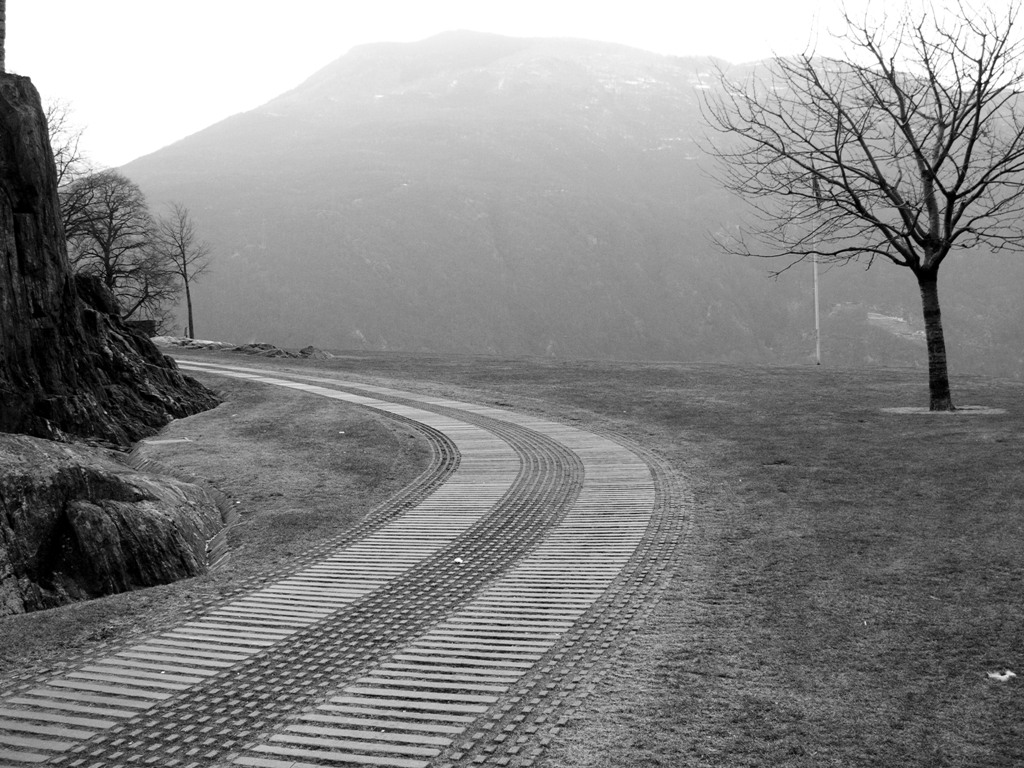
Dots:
(3, 36)
(817, 318)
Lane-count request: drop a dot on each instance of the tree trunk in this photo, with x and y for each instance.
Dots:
(938, 375)
(188, 303)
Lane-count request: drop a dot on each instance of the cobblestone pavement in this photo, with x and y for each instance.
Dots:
(461, 624)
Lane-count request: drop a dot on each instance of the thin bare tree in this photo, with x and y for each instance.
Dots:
(178, 243)
(907, 148)
(65, 143)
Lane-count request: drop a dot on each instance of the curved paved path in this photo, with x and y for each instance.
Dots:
(454, 626)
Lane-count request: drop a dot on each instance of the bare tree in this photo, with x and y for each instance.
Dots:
(71, 164)
(65, 143)
(909, 147)
(110, 234)
(179, 245)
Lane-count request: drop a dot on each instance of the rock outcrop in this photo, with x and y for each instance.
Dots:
(314, 353)
(69, 366)
(263, 350)
(74, 522)
(78, 523)
(186, 343)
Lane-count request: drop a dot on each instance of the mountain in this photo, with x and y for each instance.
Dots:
(486, 194)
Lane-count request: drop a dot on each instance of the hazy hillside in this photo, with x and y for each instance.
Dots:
(475, 193)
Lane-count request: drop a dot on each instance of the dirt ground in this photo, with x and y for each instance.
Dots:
(850, 577)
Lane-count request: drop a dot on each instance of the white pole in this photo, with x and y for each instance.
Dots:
(817, 319)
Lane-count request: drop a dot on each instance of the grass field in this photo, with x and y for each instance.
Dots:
(850, 577)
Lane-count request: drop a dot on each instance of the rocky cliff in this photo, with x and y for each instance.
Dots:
(68, 364)
(74, 522)
(77, 523)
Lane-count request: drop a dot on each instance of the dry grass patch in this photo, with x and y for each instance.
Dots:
(851, 577)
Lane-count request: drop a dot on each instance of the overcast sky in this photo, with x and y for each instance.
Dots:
(141, 74)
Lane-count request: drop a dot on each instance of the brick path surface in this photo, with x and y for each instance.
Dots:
(461, 624)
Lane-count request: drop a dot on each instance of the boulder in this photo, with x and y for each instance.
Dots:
(78, 523)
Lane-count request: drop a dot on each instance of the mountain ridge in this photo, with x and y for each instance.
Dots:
(484, 194)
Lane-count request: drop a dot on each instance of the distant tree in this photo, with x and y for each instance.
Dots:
(178, 244)
(110, 233)
(909, 147)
